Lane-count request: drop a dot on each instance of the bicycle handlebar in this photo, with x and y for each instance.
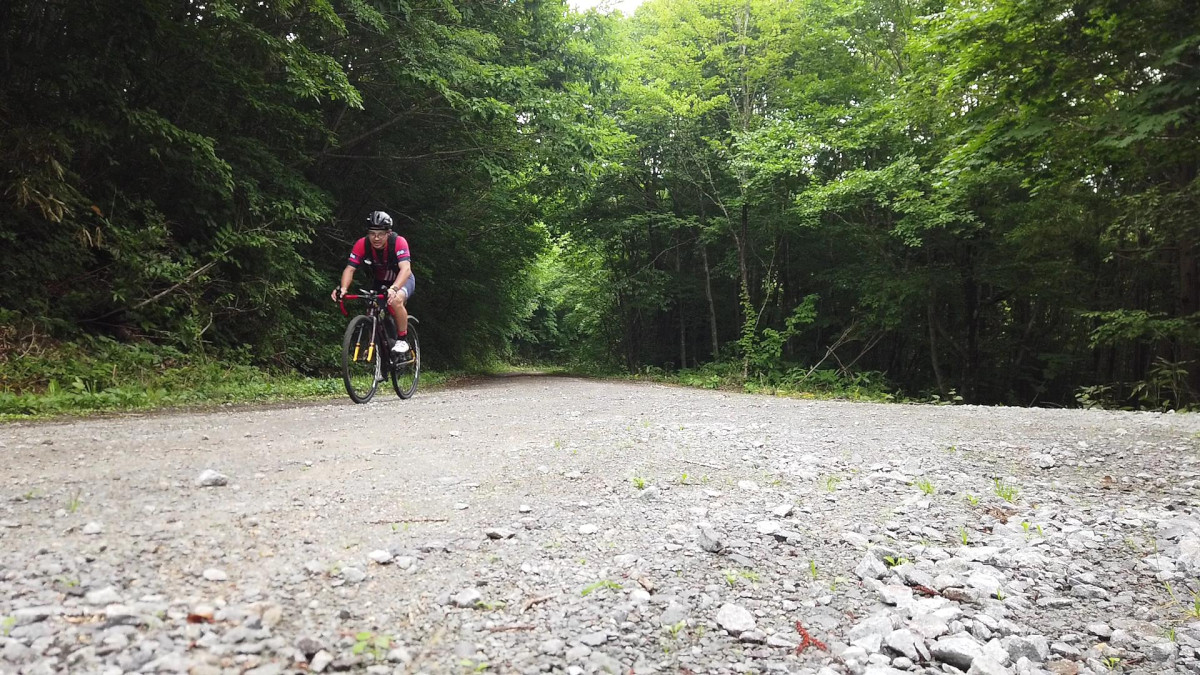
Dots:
(362, 294)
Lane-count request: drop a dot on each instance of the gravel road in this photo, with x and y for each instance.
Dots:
(542, 524)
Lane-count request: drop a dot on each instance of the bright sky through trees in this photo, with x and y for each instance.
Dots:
(627, 7)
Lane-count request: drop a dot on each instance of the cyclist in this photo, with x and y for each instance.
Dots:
(387, 254)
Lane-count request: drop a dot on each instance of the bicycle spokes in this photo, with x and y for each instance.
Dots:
(361, 359)
(406, 369)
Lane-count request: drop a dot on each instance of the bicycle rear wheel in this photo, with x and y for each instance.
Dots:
(406, 369)
(360, 359)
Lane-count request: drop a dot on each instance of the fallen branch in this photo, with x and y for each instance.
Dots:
(718, 467)
(195, 273)
(535, 601)
(501, 629)
(407, 520)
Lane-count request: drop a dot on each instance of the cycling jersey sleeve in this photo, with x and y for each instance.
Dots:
(357, 253)
(402, 251)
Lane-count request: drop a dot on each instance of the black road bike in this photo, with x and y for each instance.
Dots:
(367, 357)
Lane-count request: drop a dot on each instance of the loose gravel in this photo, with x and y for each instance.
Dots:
(530, 525)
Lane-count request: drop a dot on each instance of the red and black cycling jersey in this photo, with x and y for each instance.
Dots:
(385, 265)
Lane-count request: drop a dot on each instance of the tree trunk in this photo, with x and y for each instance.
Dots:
(1188, 304)
(933, 349)
(971, 302)
(679, 301)
(712, 310)
(740, 239)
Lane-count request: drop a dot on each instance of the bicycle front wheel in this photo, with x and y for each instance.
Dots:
(360, 359)
(406, 368)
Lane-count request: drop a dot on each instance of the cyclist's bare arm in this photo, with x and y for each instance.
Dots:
(347, 277)
(402, 277)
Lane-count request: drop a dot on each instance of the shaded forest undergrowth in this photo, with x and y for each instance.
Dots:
(42, 376)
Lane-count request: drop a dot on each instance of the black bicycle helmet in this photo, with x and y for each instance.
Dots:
(378, 220)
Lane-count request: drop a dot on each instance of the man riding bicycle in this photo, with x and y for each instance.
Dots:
(387, 254)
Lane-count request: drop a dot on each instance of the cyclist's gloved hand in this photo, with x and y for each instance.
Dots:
(336, 294)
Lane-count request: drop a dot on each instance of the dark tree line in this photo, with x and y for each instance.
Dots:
(194, 171)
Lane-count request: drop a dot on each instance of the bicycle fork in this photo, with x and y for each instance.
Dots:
(371, 340)
(376, 339)
(358, 344)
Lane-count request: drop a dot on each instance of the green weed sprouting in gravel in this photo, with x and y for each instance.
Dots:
(74, 502)
(812, 568)
(1194, 610)
(833, 585)
(972, 499)
(670, 641)
(831, 483)
(1171, 634)
(962, 534)
(891, 561)
(367, 643)
(1171, 592)
(683, 478)
(1112, 662)
(7, 624)
(1006, 491)
(603, 583)
(732, 576)
(639, 482)
(924, 485)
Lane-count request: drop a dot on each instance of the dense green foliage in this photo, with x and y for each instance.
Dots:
(988, 200)
(997, 201)
(194, 173)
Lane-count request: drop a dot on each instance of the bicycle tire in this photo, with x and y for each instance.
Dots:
(353, 338)
(407, 372)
